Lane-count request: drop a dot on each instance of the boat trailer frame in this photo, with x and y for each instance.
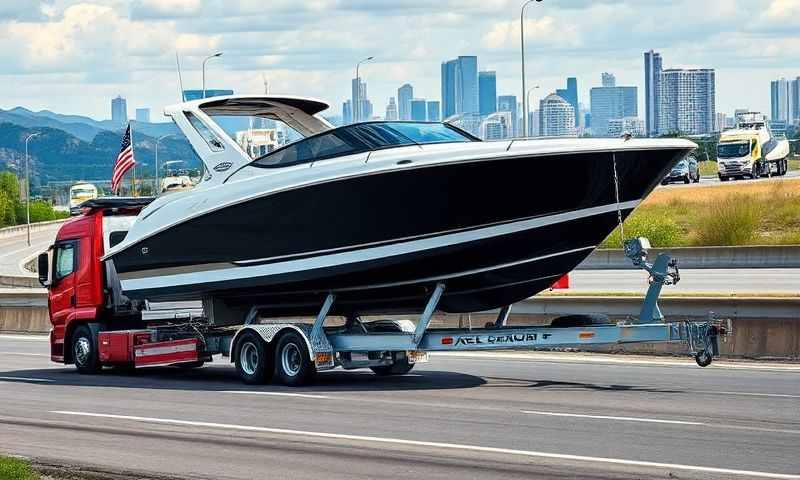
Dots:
(331, 348)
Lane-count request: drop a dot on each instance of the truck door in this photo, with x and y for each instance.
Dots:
(62, 292)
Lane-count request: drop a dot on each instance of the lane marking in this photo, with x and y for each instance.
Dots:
(28, 354)
(449, 446)
(276, 394)
(752, 394)
(29, 338)
(608, 417)
(26, 379)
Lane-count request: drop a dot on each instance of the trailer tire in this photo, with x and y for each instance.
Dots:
(580, 320)
(84, 351)
(293, 364)
(253, 359)
(397, 368)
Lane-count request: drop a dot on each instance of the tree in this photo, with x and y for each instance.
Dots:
(9, 189)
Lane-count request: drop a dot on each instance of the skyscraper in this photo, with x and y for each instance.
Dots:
(460, 86)
(404, 96)
(433, 111)
(347, 112)
(119, 110)
(570, 94)
(611, 103)
(143, 115)
(362, 107)
(487, 93)
(419, 110)
(784, 100)
(556, 117)
(609, 80)
(687, 103)
(652, 94)
(391, 110)
(508, 103)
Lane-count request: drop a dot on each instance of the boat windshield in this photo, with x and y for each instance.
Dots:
(733, 150)
(362, 137)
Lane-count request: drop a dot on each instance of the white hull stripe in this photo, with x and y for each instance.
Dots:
(367, 254)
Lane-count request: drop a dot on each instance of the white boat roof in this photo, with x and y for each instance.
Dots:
(254, 105)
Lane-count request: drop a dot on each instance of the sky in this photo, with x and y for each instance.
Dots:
(74, 56)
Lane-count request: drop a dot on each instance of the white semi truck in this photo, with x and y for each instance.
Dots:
(751, 150)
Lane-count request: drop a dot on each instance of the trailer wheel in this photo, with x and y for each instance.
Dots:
(253, 361)
(84, 351)
(293, 365)
(397, 368)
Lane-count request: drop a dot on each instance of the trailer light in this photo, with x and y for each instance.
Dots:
(323, 358)
(585, 335)
(447, 340)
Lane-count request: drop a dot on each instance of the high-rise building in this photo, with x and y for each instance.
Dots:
(143, 115)
(687, 103)
(496, 126)
(508, 103)
(434, 114)
(189, 95)
(419, 110)
(362, 107)
(721, 122)
(609, 103)
(404, 96)
(460, 86)
(633, 126)
(487, 93)
(556, 117)
(609, 80)
(391, 111)
(119, 110)
(784, 98)
(570, 94)
(652, 91)
(347, 112)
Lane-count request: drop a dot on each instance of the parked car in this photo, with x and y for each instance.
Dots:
(686, 171)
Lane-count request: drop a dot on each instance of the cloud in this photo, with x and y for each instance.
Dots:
(165, 9)
(545, 30)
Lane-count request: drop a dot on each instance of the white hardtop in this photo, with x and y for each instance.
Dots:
(220, 154)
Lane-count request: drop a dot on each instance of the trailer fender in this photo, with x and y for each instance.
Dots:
(268, 333)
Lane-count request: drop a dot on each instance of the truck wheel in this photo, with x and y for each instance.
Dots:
(84, 351)
(253, 361)
(397, 368)
(723, 178)
(293, 365)
(688, 179)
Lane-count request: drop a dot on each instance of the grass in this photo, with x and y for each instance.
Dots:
(757, 213)
(707, 168)
(16, 469)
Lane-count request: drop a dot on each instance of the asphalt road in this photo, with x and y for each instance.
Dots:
(720, 281)
(713, 179)
(14, 250)
(504, 416)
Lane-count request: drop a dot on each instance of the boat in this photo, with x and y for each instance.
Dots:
(379, 213)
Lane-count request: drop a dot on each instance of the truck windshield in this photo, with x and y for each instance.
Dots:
(362, 137)
(731, 150)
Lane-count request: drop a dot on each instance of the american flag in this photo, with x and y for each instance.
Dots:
(125, 161)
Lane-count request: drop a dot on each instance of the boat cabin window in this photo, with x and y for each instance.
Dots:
(211, 139)
(359, 138)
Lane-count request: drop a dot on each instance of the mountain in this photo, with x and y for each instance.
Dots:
(58, 155)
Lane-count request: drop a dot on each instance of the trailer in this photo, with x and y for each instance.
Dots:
(95, 326)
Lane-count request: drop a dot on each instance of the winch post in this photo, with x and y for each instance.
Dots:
(502, 316)
(650, 311)
(316, 330)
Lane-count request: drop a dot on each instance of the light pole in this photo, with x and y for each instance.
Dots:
(526, 133)
(28, 186)
(218, 54)
(357, 98)
(522, 45)
(155, 190)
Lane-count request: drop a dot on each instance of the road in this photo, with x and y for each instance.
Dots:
(720, 281)
(499, 416)
(15, 250)
(713, 179)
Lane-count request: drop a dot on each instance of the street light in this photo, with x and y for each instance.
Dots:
(218, 54)
(522, 45)
(155, 190)
(526, 133)
(28, 186)
(357, 98)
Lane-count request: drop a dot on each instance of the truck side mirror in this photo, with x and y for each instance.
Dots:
(43, 268)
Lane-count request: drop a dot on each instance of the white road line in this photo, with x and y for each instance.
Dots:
(29, 338)
(753, 394)
(276, 394)
(607, 417)
(27, 354)
(449, 446)
(27, 379)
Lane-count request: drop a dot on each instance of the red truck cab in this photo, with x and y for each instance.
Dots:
(76, 278)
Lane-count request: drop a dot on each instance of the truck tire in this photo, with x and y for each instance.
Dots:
(398, 368)
(293, 365)
(580, 320)
(253, 360)
(84, 351)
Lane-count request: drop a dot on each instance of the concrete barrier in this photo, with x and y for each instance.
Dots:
(704, 257)
(18, 230)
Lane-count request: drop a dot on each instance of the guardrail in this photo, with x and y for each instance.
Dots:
(17, 230)
(704, 257)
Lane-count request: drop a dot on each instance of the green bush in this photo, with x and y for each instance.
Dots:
(661, 230)
(14, 469)
(732, 220)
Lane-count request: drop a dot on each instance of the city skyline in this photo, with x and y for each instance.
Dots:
(81, 55)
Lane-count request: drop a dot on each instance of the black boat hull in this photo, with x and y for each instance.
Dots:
(494, 231)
